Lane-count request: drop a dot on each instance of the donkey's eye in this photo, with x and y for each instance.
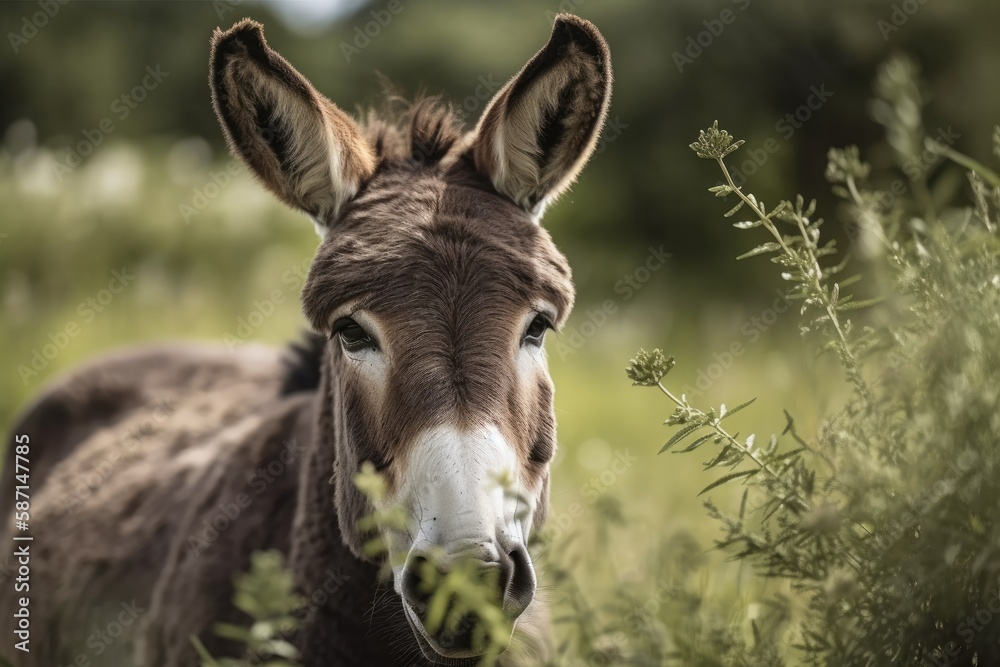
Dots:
(535, 333)
(352, 336)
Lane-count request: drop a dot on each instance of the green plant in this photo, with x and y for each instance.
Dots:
(266, 594)
(885, 522)
(672, 615)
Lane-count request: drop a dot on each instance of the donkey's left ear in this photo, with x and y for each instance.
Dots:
(303, 147)
(539, 130)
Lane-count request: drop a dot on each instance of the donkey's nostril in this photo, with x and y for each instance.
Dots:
(518, 581)
(462, 636)
(415, 593)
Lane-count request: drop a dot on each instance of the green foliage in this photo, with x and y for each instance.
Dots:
(384, 520)
(669, 614)
(465, 590)
(885, 523)
(798, 253)
(266, 594)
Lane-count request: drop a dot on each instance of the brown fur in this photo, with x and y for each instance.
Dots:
(424, 227)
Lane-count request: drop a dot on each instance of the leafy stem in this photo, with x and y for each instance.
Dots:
(808, 263)
(698, 416)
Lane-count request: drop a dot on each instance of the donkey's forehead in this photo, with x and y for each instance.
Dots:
(408, 244)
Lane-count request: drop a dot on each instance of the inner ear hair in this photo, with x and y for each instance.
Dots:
(299, 144)
(541, 128)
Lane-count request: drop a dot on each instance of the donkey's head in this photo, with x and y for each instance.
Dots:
(436, 286)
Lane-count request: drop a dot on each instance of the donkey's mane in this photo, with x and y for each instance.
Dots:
(303, 361)
(416, 133)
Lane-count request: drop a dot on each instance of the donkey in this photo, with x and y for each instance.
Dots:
(429, 299)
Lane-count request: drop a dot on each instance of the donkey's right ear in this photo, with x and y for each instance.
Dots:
(300, 145)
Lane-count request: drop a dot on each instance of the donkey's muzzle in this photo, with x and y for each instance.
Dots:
(507, 578)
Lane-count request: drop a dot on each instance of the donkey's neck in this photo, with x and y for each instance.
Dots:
(349, 613)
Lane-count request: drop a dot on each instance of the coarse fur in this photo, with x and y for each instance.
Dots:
(157, 472)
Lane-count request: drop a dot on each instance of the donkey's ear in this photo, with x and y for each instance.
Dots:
(539, 129)
(298, 143)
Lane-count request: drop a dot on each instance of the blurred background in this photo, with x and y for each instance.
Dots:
(124, 220)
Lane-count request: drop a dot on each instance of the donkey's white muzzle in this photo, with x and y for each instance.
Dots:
(469, 507)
